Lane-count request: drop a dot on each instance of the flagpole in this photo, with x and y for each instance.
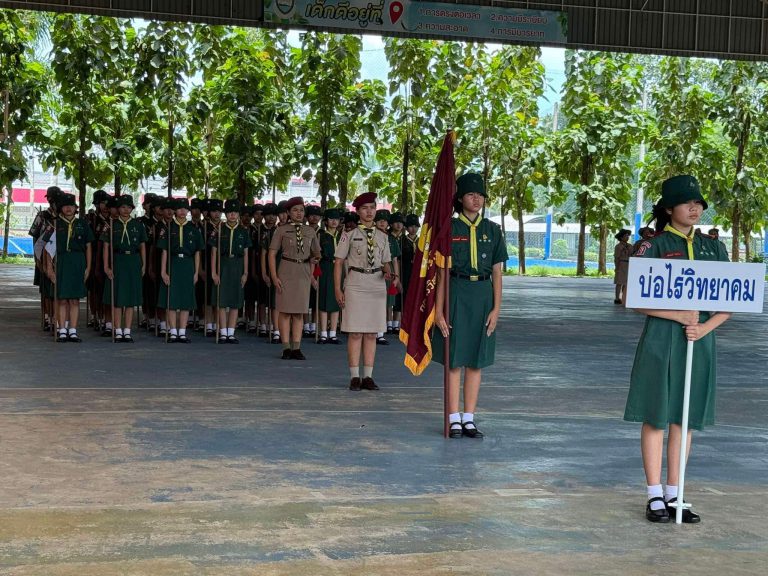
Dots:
(446, 351)
(680, 504)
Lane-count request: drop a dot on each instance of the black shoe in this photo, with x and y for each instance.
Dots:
(183, 339)
(143, 324)
(471, 432)
(118, 338)
(368, 384)
(262, 332)
(253, 330)
(617, 301)
(297, 355)
(222, 339)
(47, 326)
(312, 333)
(275, 339)
(106, 332)
(383, 341)
(127, 338)
(161, 332)
(286, 354)
(354, 384)
(455, 430)
(74, 338)
(322, 340)
(334, 340)
(689, 516)
(232, 340)
(240, 324)
(62, 337)
(90, 323)
(661, 515)
(209, 333)
(305, 333)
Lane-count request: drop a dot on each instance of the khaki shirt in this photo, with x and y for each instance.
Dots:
(353, 246)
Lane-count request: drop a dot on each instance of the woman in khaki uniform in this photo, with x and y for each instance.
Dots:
(363, 295)
(300, 250)
(621, 254)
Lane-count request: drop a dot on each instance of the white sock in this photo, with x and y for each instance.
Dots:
(354, 371)
(656, 491)
(209, 326)
(262, 326)
(323, 334)
(66, 324)
(223, 332)
(389, 323)
(468, 417)
(367, 371)
(174, 332)
(182, 331)
(670, 492)
(306, 326)
(163, 325)
(63, 331)
(396, 324)
(454, 418)
(72, 331)
(332, 334)
(277, 333)
(127, 331)
(379, 334)
(118, 331)
(313, 326)
(108, 326)
(230, 331)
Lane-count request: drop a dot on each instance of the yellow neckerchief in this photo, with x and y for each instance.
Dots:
(70, 229)
(472, 238)
(334, 235)
(688, 239)
(124, 235)
(231, 236)
(181, 231)
(370, 233)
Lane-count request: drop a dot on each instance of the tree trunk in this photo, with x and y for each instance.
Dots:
(324, 174)
(118, 183)
(170, 157)
(81, 178)
(241, 185)
(520, 235)
(406, 162)
(7, 224)
(747, 246)
(735, 231)
(586, 169)
(343, 181)
(601, 266)
(503, 230)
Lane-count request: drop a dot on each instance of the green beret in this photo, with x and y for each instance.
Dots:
(332, 214)
(125, 200)
(313, 210)
(470, 182)
(65, 199)
(100, 196)
(396, 217)
(215, 205)
(381, 215)
(412, 220)
(679, 190)
(232, 205)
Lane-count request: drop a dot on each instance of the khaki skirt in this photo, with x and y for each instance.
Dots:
(365, 297)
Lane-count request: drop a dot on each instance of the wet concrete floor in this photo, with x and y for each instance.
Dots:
(154, 459)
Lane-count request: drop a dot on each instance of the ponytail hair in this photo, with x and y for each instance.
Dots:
(661, 217)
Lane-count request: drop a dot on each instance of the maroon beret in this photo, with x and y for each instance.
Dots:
(367, 198)
(295, 201)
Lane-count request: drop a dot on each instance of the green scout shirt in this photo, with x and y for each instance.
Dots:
(234, 241)
(183, 239)
(72, 236)
(127, 235)
(489, 247)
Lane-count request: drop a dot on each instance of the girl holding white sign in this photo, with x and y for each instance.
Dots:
(656, 388)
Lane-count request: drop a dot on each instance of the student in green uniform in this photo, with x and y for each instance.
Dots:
(477, 254)
(656, 386)
(215, 209)
(397, 236)
(410, 242)
(180, 244)
(314, 216)
(124, 257)
(268, 295)
(329, 308)
(381, 221)
(72, 266)
(229, 269)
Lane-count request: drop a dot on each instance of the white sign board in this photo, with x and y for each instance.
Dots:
(703, 285)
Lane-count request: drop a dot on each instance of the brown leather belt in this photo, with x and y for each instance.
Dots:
(365, 270)
(296, 260)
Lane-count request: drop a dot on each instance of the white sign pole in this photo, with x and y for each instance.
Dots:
(684, 438)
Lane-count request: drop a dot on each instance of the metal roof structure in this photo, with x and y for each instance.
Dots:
(736, 29)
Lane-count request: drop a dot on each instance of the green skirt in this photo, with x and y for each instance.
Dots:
(128, 282)
(470, 304)
(328, 301)
(230, 293)
(658, 376)
(70, 275)
(182, 289)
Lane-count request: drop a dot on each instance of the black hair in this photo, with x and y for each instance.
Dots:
(661, 217)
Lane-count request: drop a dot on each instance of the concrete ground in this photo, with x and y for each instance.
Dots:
(150, 459)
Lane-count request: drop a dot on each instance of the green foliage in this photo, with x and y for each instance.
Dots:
(560, 249)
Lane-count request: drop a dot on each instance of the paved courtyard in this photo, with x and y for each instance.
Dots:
(151, 459)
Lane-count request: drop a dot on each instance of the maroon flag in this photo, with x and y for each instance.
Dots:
(432, 251)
